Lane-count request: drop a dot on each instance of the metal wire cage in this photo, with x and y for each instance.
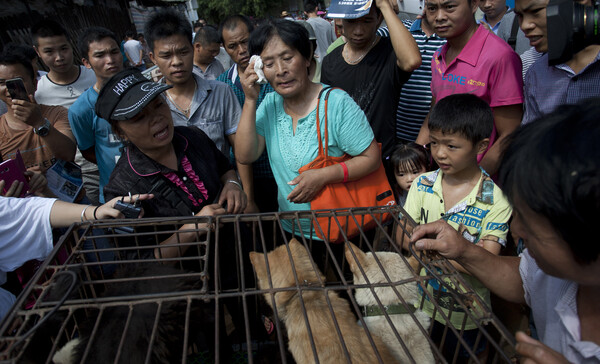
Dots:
(152, 291)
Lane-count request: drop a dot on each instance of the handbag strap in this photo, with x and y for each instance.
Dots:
(327, 91)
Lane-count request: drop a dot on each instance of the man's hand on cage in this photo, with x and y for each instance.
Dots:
(108, 210)
(534, 352)
(441, 237)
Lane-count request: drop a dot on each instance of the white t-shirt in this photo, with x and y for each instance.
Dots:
(132, 49)
(50, 93)
(25, 232)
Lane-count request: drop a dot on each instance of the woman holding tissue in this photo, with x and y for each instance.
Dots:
(285, 122)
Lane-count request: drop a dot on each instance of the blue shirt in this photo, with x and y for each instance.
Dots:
(348, 129)
(90, 130)
(547, 87)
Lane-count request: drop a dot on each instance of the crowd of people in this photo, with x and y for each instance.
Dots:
(482, 139)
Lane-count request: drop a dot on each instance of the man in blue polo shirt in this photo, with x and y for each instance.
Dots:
(95, 138)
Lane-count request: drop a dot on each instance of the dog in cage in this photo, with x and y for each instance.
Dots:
(127, 327)
(397, 270)
(294, 307)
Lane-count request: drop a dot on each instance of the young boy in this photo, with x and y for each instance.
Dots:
(461, 193)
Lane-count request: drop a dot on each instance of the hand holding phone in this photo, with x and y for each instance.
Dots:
(16, 89)
(13, 170)
(29, 112)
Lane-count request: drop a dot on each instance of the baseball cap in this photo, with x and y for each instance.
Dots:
(349, 9)
(126, 94)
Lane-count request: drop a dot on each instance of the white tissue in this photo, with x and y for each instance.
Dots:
(258, 65)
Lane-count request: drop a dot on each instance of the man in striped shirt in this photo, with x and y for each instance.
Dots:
(415, 96)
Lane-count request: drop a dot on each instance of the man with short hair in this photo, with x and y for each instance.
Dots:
(133, 51)
(40, 132)
(95, 138)
(546, 86)
(207, 104)
(206, 48)
(323, 29)
(30, 53)
(235, 31)
(65, 81)
(58, 87)
(474, 60)
(503, 21)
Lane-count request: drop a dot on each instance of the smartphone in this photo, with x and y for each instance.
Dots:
(16, 89)
(14, 170)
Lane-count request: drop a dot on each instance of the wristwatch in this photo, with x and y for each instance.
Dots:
(44, 129)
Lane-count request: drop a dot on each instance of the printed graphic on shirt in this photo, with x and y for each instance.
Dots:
(456, 79)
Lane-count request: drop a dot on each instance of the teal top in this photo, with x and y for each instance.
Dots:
(349, 132)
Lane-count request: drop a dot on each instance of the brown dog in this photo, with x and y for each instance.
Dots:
(328, 345)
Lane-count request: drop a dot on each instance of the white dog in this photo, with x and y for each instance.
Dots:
(405, 325)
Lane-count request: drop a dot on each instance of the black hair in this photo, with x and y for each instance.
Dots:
(130, 34)
(310, 6)
(552, 165)
(290, 32)
(47, 28)
(27, 51)
(410, 156)
(207, 35)
(466, 114)
(232, 22)
(14, 57)
(90, 35)
(198, 25)
(166, 23)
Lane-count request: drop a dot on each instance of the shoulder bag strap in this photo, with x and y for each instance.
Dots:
(512, 40)
(327, 91)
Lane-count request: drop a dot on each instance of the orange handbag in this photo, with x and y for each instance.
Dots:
(371, 190)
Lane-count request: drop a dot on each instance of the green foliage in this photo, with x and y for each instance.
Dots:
(216, 10)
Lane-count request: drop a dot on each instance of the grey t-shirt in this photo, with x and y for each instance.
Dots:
(325, 35)
(505, 29)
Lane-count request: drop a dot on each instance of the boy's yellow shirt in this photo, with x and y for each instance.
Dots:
(483, 213)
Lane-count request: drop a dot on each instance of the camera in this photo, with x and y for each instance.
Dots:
(571, 27)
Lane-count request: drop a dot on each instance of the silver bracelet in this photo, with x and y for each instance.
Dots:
(235, 183)
(83, 213)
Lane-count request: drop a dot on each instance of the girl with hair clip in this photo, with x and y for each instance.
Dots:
(409, 160)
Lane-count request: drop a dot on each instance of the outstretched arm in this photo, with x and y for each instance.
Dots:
(498, 273)
(64, 214)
